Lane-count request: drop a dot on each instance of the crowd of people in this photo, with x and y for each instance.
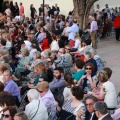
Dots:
(51, 70)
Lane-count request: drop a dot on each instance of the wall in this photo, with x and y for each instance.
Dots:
(65, 5)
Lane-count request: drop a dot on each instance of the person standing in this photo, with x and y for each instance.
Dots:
(93, 31)
(33, 11)
(116, 26)
(21, 8)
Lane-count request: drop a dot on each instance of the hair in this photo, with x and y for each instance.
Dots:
(93, 51)
(8, 71)
(44, 54)
(43, 85)
(33, 94)
(88, 53)
(3, 42)
(45, 78)
(12, 111)
(68, 78)
(6, 98)
(4, 52)
(22, 115)
(1, 86)
(5, 58)
(89, 64)
(41, 66)
(60, 69)
(109, 71)
(79, 63)
(37, 54)
(91, 98)
(63, 50)
(87, 42)
(3, 67)
(102, 76)
(101, 107)
(77, 92)
(77, 36)
(25, 51)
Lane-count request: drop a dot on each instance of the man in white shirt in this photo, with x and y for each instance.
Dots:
(101, 111)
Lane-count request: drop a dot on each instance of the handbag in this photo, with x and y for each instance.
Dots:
(36, 111)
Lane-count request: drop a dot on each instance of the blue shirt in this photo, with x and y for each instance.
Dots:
(72, 30)
(12, 88)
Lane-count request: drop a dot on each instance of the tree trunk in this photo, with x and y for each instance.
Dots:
(82, 10)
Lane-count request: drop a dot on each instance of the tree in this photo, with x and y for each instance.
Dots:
(81, 10)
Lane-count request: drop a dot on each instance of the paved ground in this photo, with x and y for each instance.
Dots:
(109, 50)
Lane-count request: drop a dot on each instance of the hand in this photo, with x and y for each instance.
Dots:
(84, 76)
(79, 114)
(89, 77)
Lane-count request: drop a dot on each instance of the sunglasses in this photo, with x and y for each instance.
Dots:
(39, 91)
(6, 116)
(88, 68)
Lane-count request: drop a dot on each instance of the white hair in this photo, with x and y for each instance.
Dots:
(33, 94)
(91, 18)
(44, 54)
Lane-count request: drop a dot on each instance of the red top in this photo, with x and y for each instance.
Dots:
(45, 44)
(116, 22)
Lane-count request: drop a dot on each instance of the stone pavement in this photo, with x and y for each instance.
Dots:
(109, 50)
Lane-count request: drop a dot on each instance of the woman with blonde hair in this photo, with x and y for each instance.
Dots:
(77, 42)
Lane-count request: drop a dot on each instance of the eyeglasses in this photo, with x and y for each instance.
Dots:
(67, 48)
(60, 52)
(90, 104)
(88, 68)
(6, 116)
(39, 90)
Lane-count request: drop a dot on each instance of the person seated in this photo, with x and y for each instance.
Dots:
(78, 65)
(21, 66)
(90, 111)
(36, 109)
(89, 80)
(75, 102)
(77, 43)
(107, 92)
(70, 83)
(47, 98)
(58, 84)
(9, 113)
(101, 111)
(10, 86)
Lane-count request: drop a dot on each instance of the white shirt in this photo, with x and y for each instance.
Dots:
(31, 53)
(54, 46)
(66, 93)
(110, 94)
(31, 109)
(77, 43)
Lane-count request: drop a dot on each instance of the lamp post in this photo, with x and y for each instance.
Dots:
(43, 12)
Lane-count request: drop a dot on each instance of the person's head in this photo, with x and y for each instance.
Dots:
(50, 61)
(25, 52)
(7, 75)
(89, 68)
(43, 78)
(77, 36)
(87, 42)
(58, 72)
(87, 55)
(91, 18)
(106, 5)
(102, 76)
(43, 87)
(44, 55)
(32, 94)
(3, 67)
(20, 116)
(68, 79)
(100, 109)
(2, 42)
(61, 51)
(89, 102)
(5, 59)
(77, 93)
(78, 64)
(97, 6)
(108, 70)
(75, 21)
(93, 52)
(20, 4)
(36, 55)
(67, 49)
(40, 68)
(8, 113)
(6, 99)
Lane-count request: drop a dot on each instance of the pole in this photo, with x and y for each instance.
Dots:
(43, 12)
